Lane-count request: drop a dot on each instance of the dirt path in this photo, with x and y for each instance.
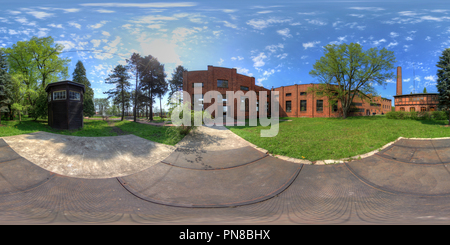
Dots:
(116, 129)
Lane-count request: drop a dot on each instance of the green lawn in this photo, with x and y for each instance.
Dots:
(92, 128)
(335, 138)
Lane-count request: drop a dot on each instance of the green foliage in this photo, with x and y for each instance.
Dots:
(443, 80)
(40, 109)
(119, 78)
(79, 76)
(352, 71)
(176, 83)
(6, 84)
(421, 115)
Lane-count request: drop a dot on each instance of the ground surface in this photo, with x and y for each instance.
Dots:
(214, 177)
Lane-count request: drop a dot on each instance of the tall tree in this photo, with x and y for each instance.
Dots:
(151, 75)
(176, 83)
(79, 76)
(119, 78)
(346, 71)
(133, 63)
(443, 81)
(5, 84)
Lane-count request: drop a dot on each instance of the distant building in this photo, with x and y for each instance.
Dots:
(413, 102)
(294, 100)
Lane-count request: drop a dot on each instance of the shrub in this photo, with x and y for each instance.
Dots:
(424, 115)
(439, 115)
(421, 115)
(413, 115)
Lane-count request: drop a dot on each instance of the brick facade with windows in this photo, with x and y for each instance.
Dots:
(413, 102)
(294, 100)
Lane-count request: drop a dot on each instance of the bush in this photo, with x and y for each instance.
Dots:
(421, 115)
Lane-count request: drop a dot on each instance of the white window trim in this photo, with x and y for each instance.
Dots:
(65, 96)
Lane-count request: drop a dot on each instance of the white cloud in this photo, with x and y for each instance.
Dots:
(105, 33)
(162, 49)
(367, 8)
(98, 25)
(181, 33)
(74, 24)
(259, 60)
(376, 43)
(220, 62)
(264, 23)
(391, 44)
(316, 22)
(265, 12)
(244, 71)
(73, 10)
(428, 38)
(273, 48)
(394, 34)
(104, 11)
(431, 78)
(40, 15)
(96, 42)
(282, 56)
(238, 58)
(409, 38)
(42, 32)
(68, 45)
(284, 32)
(55, 26)
(154, 26)
(228, 24)
(310, 44)
(357, 15)
(142, 5)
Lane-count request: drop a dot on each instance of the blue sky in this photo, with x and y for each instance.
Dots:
(277, 42)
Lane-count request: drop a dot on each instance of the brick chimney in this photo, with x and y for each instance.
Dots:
(399, 80)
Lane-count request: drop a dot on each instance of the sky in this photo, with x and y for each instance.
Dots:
(277, 42)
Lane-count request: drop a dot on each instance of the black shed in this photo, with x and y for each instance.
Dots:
(65, 105)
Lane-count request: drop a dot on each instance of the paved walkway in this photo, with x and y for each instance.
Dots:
(214, 177)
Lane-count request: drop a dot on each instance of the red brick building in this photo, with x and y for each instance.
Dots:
(294, 100)
(413, 102)
(222, 80)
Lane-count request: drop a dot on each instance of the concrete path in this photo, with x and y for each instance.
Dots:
(214, 177)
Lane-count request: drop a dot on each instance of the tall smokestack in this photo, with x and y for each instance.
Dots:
(399, 80)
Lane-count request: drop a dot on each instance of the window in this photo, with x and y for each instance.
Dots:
(412, 109)
(243, 88)
(198, 100)
(222, 83)
(302, 93)
(74, 95)
(288, 94)
(431, 108)
(356, 104)
(195, 83)
(59, 95)
(423, 109)
(402, 108)
(319, 93)
(224, 97)
(288, 106)
(319, 105)
(335, 108)
(244, 103)
(302, 105)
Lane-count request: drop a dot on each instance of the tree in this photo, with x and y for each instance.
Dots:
(151, 76)
(79, 76)
(119, 78)
(19, 90)
(39, 62)
(346, 71)
(443, 81)
(176, 83)
(424, 90)
(133, 63)
(5, 84)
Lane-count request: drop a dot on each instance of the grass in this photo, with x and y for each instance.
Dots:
(335, 138)
(92, 128)
(164, 135)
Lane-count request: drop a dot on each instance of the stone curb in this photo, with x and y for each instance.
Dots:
(331, 161)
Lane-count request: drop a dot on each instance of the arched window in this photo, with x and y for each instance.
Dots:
(402, 108)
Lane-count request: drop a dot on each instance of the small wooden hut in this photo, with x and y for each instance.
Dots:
(65, 105)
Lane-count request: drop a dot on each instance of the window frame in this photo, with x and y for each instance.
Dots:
(74, 92)
(59, 91)
(319, 107)
(290, 106)
(303, 108)
(222, 80)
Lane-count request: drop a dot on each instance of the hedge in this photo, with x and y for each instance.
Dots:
(420, 115)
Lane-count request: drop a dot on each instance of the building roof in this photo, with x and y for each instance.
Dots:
(64, 82)
(406, 95)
